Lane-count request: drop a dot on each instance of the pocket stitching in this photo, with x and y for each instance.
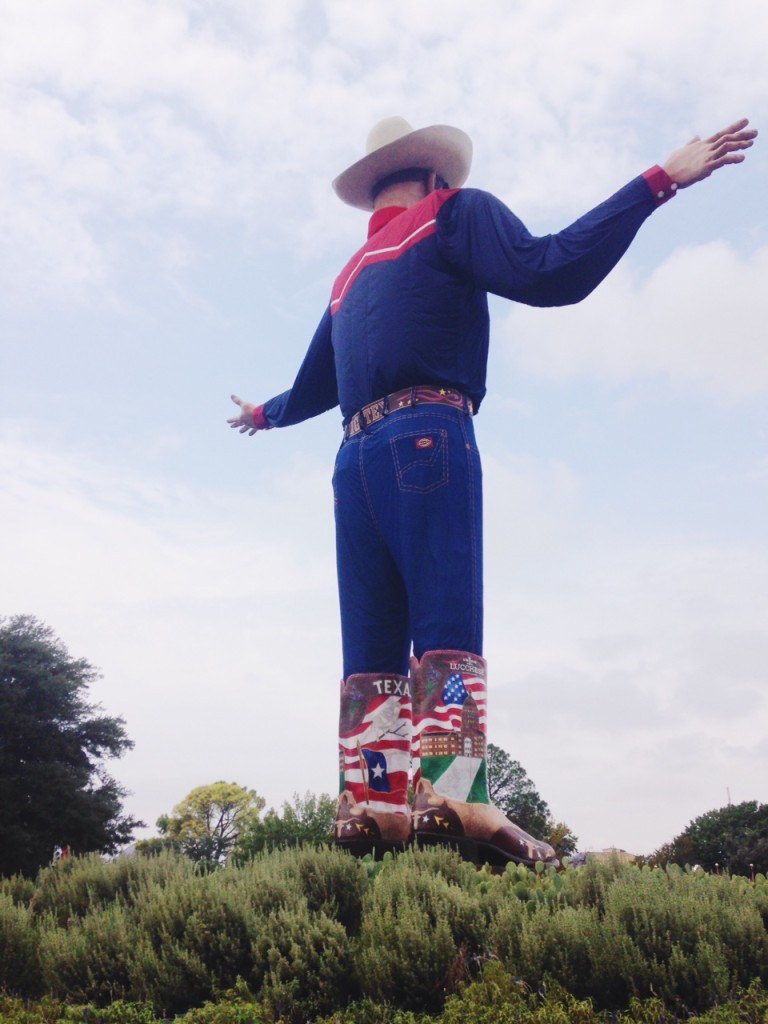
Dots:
(441, 453)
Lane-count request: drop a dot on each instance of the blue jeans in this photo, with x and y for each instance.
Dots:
(408, 504)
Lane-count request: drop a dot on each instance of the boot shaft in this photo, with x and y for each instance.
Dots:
(375, 739)
(449, 724)
(450, 775)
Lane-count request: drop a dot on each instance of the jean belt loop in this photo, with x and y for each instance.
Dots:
(413, 396)
(385, 406)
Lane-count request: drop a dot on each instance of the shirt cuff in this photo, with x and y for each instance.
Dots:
(660, 183)
(259, 419)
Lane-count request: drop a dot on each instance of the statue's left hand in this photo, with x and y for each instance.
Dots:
(700, 157)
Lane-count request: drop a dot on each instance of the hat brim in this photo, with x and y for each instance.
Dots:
(440, 148)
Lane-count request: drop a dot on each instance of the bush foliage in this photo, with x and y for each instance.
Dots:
(733, 839)
(315, 935)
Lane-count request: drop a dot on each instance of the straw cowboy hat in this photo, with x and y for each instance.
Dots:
(393, 145)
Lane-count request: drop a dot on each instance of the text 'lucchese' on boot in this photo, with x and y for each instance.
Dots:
(373, 813)
(451, 803)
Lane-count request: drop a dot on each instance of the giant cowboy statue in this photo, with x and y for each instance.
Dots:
(402, 348)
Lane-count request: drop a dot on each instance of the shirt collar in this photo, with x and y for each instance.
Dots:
(382, 217)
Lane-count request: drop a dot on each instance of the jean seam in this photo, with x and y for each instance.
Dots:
(471, 453)
(368, 500)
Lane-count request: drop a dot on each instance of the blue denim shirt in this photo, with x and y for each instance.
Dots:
(411, 305)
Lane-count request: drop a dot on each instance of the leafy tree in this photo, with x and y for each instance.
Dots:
(561, 839)
(510, 788)
(732, 838)
(209, 822)
(514, 793)
(54, 790)
(307, 820)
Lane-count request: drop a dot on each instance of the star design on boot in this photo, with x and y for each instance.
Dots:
(359, 827)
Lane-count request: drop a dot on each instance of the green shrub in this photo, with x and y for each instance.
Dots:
(319, 932)
(505, 931)
(195, 934)
(80, 885)
(760, 897)
(700, 937)
(303, 965)
(171, 936)
(611, 932)
(585, 886)
(19, 966)
(327, 881)
(497, 998)
(332, 882)
(202, 914)
(171, 979)
(748, 1006)
(421, 933)
(262, 885)
(559, 946)
(19, 888)
(50, 1011)
(118, 1012)
(226, 1013)
(494, 998)
(90, 960)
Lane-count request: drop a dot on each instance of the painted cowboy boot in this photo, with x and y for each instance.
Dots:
(374, 759)
(451, 802)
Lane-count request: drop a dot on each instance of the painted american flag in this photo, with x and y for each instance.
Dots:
(446, 715)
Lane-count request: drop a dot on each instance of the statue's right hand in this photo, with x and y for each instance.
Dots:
(247, 420)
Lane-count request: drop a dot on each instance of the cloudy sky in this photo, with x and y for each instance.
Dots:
(169, 236)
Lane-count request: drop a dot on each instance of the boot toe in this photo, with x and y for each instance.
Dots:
(481, 832)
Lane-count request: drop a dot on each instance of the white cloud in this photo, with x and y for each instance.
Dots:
(231, 111)
(697, 320)
(211, 619)
(626, 667)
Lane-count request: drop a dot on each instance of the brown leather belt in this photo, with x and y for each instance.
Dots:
(422, 394)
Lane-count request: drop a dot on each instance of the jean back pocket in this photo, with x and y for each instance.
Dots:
(421, 460)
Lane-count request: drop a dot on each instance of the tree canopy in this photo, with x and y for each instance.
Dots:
(307, 820)
(513, 792)
(209, 822)
(732, 838)
(54, 789)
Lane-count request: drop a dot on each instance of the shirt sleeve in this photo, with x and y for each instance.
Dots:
(314, 390)
(485, 241)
